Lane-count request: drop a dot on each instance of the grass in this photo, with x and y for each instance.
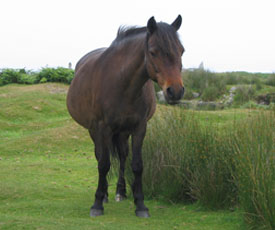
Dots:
(48, 173)
(56, 193)
(220, 163)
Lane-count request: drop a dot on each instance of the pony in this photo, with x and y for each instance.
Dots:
(112, 95)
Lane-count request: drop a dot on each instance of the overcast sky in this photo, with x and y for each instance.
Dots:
(226, 35)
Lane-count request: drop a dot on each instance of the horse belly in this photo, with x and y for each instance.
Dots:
(81, 97)
(80, 111)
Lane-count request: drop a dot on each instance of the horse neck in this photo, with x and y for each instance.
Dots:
(133, 71)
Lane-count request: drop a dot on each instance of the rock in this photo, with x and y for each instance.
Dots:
(160, 96)
(266, 99)
(232, 89)
(229, 100)
(195, 95)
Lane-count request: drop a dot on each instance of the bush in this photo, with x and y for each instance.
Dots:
(188, 94)
(259, 85)
(8, 76)
(210, 94)
(22, 76)
(56, 75)
(201, 80)
(244, 94)
(43, 80)
(271, 80)
(28, 78)
(231, 79)
(237, 78)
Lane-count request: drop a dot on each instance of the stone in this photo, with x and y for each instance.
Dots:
(195, 95)
(160, 96)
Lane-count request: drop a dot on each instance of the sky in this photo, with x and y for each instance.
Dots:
(226, 35)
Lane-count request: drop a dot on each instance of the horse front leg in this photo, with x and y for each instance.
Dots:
(103, 158)
(137, 167)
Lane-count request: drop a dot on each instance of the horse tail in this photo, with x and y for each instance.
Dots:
(119, 146)
(114, 149)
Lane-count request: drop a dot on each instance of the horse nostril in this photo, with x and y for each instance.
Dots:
(170, 92)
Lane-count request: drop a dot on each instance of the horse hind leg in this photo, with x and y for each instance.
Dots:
(121, 143)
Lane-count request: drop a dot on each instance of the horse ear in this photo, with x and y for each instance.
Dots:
(177, 23)
(151, 25)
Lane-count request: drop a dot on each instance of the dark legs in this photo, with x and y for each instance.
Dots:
(137, 167)
(102, 140)
(121, 143)
(103, 158)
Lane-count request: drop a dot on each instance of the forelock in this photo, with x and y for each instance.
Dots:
(167, 38)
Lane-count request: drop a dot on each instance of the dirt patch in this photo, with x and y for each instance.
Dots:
(56, 89)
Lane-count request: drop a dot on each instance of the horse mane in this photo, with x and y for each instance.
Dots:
(125, 31)
(167, 41)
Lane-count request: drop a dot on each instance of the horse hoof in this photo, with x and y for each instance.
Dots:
(119, 197)
(96, 212)
(142, 214)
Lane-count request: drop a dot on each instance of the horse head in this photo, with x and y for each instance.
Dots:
(163, 58)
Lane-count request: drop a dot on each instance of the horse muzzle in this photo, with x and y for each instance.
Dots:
(173, 95)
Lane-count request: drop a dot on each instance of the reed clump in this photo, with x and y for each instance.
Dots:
(188, 157)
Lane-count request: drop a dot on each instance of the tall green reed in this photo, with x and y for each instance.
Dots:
(254, 175)
(189, 158)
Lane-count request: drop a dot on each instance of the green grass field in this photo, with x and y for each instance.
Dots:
(48, 172)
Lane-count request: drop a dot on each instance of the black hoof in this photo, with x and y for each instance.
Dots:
(143, 214)
(96, 212)
(119, 197)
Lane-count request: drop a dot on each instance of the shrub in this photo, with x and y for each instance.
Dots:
(237, 78)
(59, 74)
(200, 80)
(210, 94)
(188, 94)
(28, 78)
(231, 79)
(43, 80)
(194, 79)
(259, 85)
(271, 80)
(22, 76)
(243, 94)
(8, 76)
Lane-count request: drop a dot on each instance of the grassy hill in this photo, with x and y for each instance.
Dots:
(48, 172)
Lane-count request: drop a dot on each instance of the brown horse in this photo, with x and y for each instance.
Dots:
(112, 95)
